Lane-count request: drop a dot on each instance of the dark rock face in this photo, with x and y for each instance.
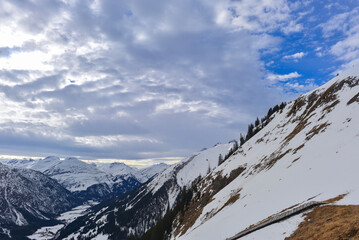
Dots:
(101, 192)
(29, 199)
(135, 212)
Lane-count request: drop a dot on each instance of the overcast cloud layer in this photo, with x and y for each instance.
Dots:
(151, 81)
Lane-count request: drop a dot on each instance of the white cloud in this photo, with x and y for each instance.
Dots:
(282, 77)
(295, 56)
(35, 60)
(292, 27)
(319, 51)
(347, 24)
(135, 79)
(257, 16)
(299, 88)
(339, 22)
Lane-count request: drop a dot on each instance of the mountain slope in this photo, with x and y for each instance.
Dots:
(20, 163)
(137, 211)
(308, 152)
(118, 169)
(153, 170)
(121, 170)
(76, 175)
(44, 164)
(29, 199)
(86, 181)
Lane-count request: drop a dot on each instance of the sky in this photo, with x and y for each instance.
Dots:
(143, 82)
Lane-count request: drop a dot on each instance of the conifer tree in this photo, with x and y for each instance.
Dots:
(256, 123)
(270, 112)
(250, 131)
(241, 139)
(220, 159)
(235, 146)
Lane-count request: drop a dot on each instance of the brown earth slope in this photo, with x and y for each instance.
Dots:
(330, 222)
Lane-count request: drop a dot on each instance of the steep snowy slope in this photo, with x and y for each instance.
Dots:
(137, 211)
(308, 152)
(86, 181)
(153, 170)
(76, 175)
(29, 199)
(117, 169)
(44, 164)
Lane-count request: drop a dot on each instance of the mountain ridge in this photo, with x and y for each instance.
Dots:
(89, 181)
(29, 199)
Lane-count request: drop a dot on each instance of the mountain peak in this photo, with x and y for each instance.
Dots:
(72, 159)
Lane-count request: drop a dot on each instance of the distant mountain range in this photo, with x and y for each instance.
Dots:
(90, 181)
(34, 192)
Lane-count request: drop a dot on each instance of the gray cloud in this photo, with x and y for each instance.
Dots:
(132, 80)
(100, 126)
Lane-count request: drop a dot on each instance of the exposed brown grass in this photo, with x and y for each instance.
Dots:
(325, 222)
(297, 105)
(329, 222)
(314, 100)
(202, 197)
(295, 150)
(330, 107)
(301, 125)
(293, 162)
(190, 220)
(274, 159)
(316, 129)
(230, 201)
(353, 99)
(335, 199)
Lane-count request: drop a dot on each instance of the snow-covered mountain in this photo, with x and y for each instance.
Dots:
(43, 164)
(90, 181)
(29, 199)
(308, 152)
(306, 155)
(153, 170)
(118, 169)
(139, 210)
(76, 175)
(20, 163)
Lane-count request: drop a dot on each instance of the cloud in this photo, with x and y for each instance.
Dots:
(102, 126)
(282, 77)
(297, 87)
(137, 79)
(346, 24)
(340, 22)
(295, 56)
(292, 27)
(260, 16)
